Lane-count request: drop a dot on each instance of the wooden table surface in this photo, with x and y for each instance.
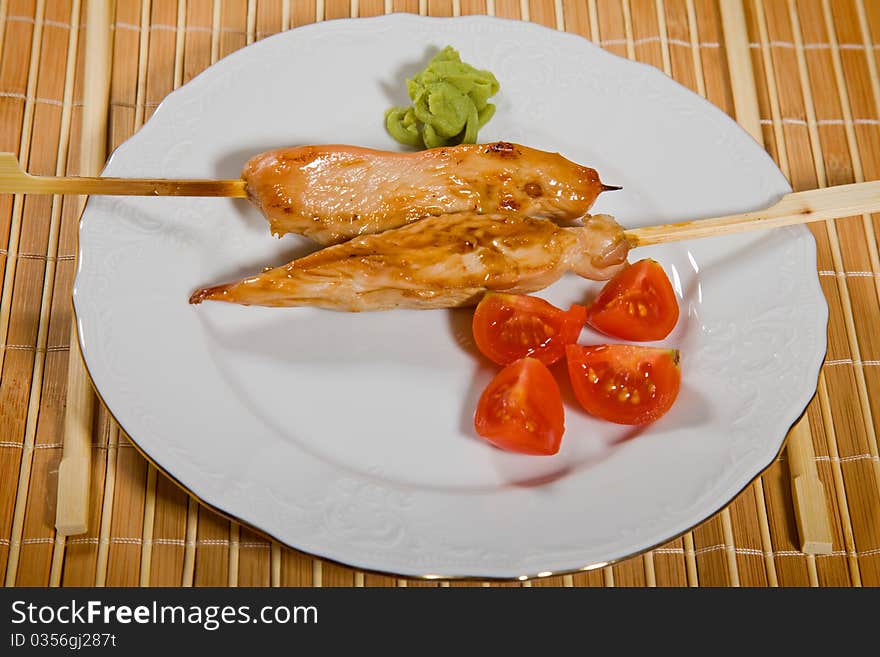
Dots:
(814, 64)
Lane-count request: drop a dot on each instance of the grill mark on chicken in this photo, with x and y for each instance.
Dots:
(503, 148)
(440, 262)
(333, 193)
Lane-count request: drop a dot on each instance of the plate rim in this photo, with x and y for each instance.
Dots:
(820, 356)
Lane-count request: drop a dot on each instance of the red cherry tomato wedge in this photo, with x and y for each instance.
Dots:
(638, 304)
(624, 383)
(521, 409)
(508, 327)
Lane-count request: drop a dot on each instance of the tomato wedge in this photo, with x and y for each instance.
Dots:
(521, 409)
(638, 304)
(624, 383)
(508, 327)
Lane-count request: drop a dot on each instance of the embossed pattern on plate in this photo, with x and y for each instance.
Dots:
(349, 436)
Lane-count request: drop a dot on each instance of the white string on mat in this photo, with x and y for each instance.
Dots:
(811, 46)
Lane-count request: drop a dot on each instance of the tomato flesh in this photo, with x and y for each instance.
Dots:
(638, 304)
(625, 384)
(521, 410)
(508, 327)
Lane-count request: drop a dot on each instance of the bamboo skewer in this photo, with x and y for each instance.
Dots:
(795, 208)
(14, 179)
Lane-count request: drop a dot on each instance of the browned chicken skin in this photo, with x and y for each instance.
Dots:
(333, 193)
(439, 262)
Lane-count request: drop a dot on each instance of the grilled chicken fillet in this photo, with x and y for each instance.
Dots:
(439, 262)
(333, 193)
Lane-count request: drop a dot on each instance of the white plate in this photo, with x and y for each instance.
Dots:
(350, 436)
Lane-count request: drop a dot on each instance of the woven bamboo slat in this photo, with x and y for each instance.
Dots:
(782, 140)
(815, 68)
(22, 36)
(124, 532)
(76, 561)
(32, 280)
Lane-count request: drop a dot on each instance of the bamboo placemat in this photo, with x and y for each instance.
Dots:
(815, 68)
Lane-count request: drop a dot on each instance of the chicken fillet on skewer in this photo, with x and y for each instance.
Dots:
(439, 262)
(334, 193)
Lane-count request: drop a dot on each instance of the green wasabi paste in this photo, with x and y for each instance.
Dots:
(449, 104)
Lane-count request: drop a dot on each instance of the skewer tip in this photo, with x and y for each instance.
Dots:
(610, 188)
